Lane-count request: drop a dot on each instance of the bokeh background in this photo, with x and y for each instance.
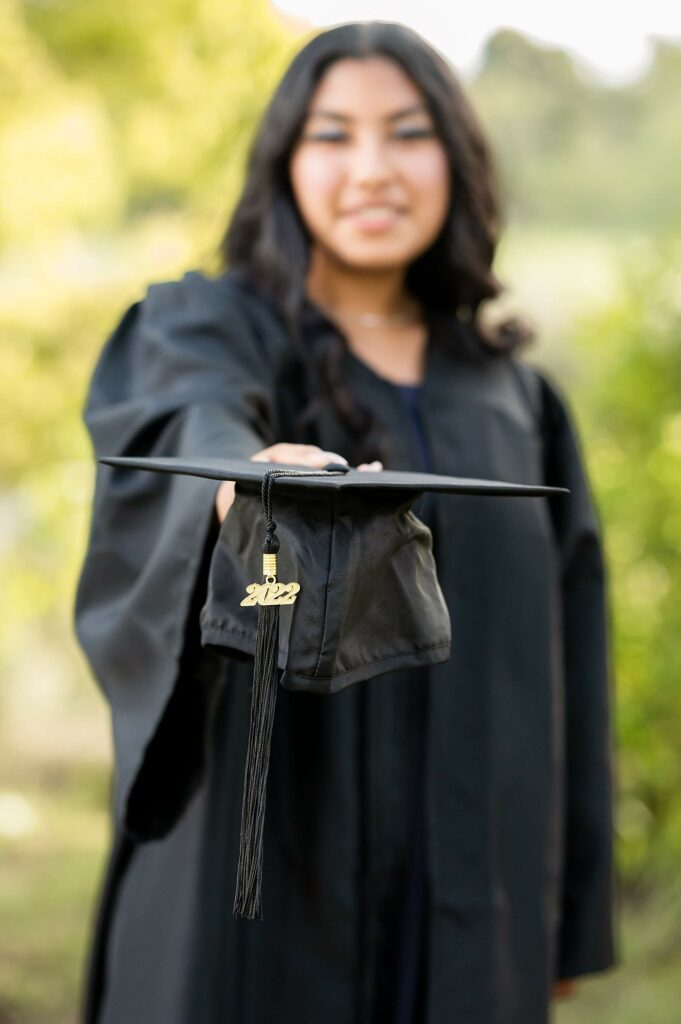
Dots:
(123, 131)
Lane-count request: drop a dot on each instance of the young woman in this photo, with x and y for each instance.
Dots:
(438, 841)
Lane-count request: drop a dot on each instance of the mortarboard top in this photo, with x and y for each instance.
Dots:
(362, 596)
(341, 478)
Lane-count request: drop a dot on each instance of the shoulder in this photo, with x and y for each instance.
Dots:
(180, 329)
(537, 387)
(198, 295)
(547, 396)
(203, 313)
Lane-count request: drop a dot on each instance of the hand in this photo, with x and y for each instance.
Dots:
(564, 988)
(308, 455)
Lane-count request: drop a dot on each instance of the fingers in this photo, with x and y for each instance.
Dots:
(298, 455)
(224, 498)
(308, 455)
(292, 454)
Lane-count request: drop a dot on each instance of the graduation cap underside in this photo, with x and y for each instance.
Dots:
(361, 563)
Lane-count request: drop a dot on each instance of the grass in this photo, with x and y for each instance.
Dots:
(52, 840)
(646, 987)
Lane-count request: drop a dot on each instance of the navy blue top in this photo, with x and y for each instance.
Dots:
(410, 393)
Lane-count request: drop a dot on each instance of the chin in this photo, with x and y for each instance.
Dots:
(375, 257)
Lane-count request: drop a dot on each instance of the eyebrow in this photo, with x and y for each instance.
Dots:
(334, 115)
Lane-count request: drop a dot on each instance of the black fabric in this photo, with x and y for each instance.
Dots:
(411, 931)
(352, 482)
(370, 601)
(517, 776)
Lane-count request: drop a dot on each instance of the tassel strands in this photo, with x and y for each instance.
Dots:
(268, 595)
(248, 898)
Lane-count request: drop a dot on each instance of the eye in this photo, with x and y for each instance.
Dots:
(414, 133)
(325, 137)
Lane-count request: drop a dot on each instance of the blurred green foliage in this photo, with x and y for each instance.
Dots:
(113, 110)
(123, 132)
(631, 402)
(573, 151)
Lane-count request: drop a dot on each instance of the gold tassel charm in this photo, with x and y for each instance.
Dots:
(271, 591)
(269, 566)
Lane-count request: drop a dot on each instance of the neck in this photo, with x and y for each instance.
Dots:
(336, 286)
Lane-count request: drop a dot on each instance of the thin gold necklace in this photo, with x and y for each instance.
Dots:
(372, 319)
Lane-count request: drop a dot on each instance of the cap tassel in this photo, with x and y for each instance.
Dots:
(248, 898)
(268, 596)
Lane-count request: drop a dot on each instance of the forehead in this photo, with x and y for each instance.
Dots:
(371, 87)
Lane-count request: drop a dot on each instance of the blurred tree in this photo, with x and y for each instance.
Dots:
(57, 166)
(182, 85)
(631, 406)
(573, 151)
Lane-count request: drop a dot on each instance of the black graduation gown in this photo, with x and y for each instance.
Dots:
(517, 782)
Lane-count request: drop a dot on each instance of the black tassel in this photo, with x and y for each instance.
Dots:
(268, 596)
(248, 898)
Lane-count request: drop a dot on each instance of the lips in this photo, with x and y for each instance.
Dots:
(373, 209)
(373, 218)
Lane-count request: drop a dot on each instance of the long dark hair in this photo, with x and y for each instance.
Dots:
(268, 243)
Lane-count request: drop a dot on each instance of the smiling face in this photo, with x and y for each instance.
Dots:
(368, 172)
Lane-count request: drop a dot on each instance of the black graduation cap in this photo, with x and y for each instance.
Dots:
(327, 575)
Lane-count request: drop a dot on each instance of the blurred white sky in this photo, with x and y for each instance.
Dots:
(613, 39)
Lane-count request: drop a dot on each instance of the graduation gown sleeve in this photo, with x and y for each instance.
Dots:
(183, 374)
(585, 937)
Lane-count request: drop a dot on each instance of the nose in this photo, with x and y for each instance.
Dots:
(371, 163)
